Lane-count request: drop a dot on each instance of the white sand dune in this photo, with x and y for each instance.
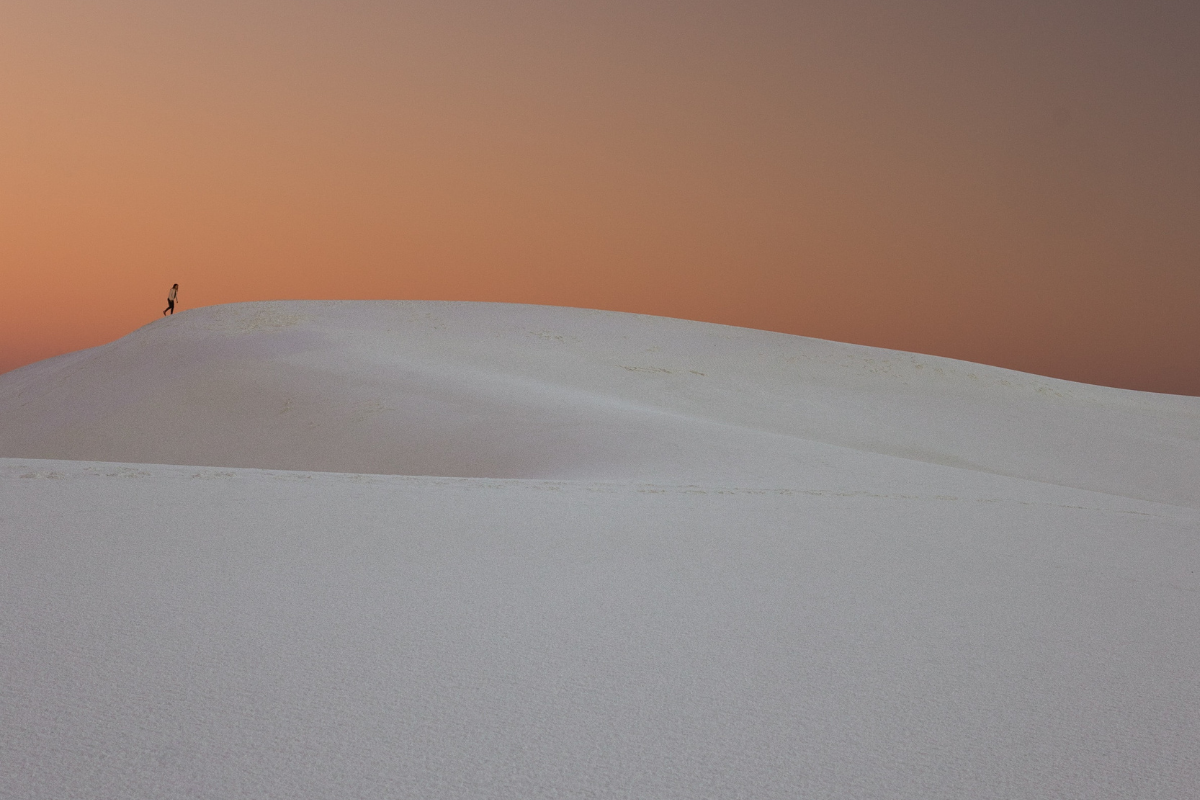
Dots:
(489, 390)
(446, 550)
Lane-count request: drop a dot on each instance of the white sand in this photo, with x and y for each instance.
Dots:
(650, 558)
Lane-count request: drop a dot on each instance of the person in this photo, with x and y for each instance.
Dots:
(171, 300)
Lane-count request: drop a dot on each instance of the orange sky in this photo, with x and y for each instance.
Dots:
(1014, 183)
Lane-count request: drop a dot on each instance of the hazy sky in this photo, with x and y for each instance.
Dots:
(1014, 182)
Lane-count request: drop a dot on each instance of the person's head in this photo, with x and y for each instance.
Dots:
(175, 286)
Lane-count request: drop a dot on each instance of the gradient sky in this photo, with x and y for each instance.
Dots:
(1015, 183)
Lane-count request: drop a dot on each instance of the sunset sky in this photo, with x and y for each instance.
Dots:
(1015, 183)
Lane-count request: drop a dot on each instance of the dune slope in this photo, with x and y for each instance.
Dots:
(490, 390)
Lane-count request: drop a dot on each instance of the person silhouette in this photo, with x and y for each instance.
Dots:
(171, 300)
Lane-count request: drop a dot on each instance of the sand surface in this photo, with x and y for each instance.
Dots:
(452, 550)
